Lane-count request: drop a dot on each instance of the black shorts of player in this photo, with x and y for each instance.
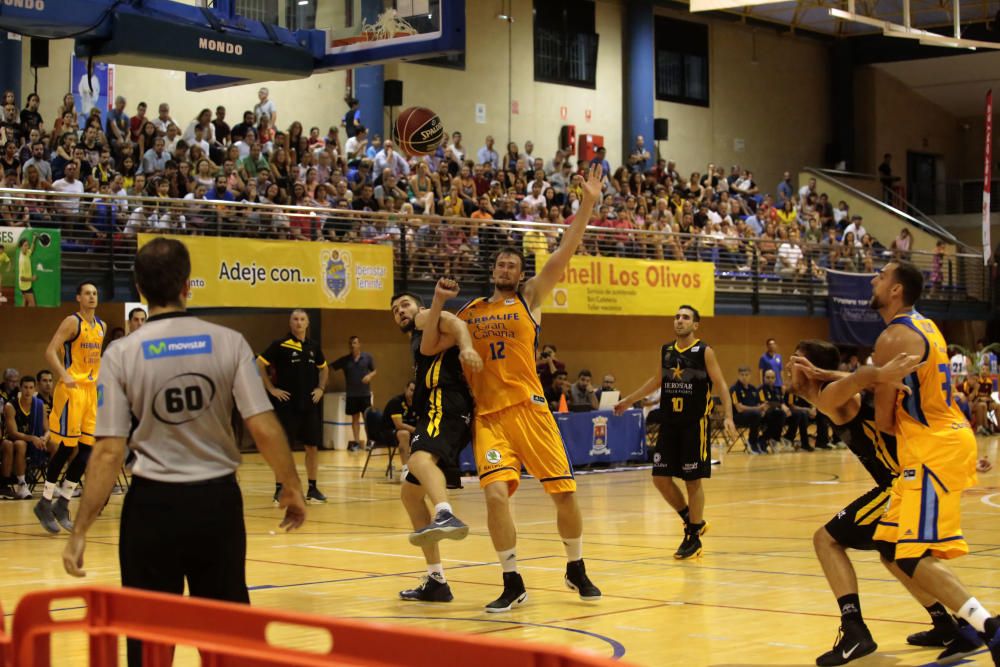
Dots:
(445, 438)
(357, 404)
(302, 427)
(682, 451)
(854, 526)
(28, 291)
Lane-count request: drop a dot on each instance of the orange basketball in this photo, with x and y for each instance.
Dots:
(419, 131)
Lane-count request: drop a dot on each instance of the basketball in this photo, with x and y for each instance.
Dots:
(419, 131)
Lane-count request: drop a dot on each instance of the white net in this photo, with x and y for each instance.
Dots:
(388, 26)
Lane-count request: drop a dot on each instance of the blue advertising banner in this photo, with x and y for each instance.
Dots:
(95, 91)
(852, 321)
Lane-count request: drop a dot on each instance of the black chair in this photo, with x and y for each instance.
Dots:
(37, 464)
(378, 439)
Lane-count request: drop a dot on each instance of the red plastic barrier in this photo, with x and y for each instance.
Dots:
(6, 653)
(231, 635)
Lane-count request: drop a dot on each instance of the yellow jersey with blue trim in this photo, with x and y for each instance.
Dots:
(505, 335)
(82, 353)
(929, 408)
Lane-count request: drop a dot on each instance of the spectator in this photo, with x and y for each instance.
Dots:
(220, 127)
(790, 259)
(265, 108)
(841, 214)
(748, 409)
(486, 154)
(785, 189)
(163, 119)
(582, 397)
(886, 178)
(359, 370)
(399, 419)
(253, 164)
(154, 161)
(388, 158)
(600, 157)
(639, 159)
(137, 121)
(68, 207)
(556, 389)
(354, 149)
(857, 228)
(799, 413)
(607, 384)
(118, 124)
(239, 131)
(807, 190)
(352, 119)
(775, 411)
(30, 118)
(902, 245)
(771, 360)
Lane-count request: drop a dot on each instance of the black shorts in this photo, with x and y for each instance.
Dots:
(302, 427)
(445, 438)
(30, 290)
(854, 526)
(683, 451)
(357, 404)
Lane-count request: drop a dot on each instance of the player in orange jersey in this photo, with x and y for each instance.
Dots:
(513, 425)
(936, 449)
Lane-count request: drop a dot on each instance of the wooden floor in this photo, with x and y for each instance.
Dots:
(756, 597)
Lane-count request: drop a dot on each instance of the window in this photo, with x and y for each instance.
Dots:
(265, 11)
(565, 42)
(300, 14)
(681, 61)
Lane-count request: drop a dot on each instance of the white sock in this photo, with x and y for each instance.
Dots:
(508, 560)
(974, 613)
(67, 489)
(443, 507)
(574, 548)
(49, 491)
(436, 570)
(20, 479)
(404, 471)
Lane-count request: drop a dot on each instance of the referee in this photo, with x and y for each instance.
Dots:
(300, 375)
(183, 516)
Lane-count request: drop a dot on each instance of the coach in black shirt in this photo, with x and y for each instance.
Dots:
(296, 389)
(359, 369)
(747, 409)
(399, 420)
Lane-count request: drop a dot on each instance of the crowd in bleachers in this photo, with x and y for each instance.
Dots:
(187, 166)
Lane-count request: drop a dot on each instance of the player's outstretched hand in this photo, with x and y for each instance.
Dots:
(73, 555)
(294, 504)
(811, 371)
(983, 465)
(593, 186)
(621, 407)
(896, 369)
(471, 361)
(445, 289)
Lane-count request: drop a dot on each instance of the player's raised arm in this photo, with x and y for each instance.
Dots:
(65, 333)
(647, 388)
(843, 387)
(719, 380)
(539, 287)
(429, 321)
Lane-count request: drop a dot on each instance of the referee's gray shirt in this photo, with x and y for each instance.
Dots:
(179, 376)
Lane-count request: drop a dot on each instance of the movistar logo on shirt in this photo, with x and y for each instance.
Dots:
(177, 347)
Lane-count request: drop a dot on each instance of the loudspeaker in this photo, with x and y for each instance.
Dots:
(661, 129)
(392, 93)
(39, 52)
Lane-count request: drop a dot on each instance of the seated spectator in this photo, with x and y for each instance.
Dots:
(748, 409)
(775, 411)
(857, 228)
(607, 384)
(983, 405)
(582, 397)
(902, 245)
(24, 422)
(400, 421)
(800, 411)
(790, 261)
(556, 389)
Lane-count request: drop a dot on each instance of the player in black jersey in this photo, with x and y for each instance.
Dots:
(443, 403)
(688, 371)
(851, 408)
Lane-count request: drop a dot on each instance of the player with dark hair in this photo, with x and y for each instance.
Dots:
(688, 372)
(513, 426)
(74, 354)
(847, 400)
(441, 348)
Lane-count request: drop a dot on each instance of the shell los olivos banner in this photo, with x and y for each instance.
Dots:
(279, 274)
(621, 286)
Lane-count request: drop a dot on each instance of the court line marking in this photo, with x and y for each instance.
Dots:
(618, 649)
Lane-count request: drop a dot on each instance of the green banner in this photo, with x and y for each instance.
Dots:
(30, 267)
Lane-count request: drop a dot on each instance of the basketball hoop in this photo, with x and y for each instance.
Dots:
(389, 25)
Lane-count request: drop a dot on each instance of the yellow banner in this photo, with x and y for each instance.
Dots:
(613, 286)
(229, 272)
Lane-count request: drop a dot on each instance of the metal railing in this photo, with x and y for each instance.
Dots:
(99, 238)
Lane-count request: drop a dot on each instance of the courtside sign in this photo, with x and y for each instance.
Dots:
(228, 272)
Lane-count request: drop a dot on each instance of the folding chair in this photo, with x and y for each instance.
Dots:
(35, 467)
(718, 429)
(374, 428)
